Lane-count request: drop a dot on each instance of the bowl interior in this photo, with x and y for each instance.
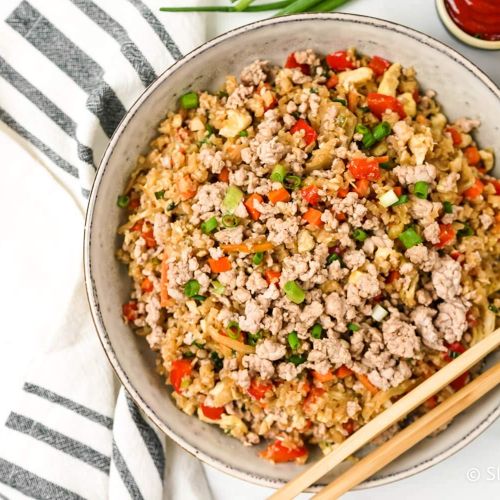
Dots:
(462, 90)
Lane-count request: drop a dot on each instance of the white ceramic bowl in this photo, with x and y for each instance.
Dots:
(462, 89)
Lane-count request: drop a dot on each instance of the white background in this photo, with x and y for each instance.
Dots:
(37, 278)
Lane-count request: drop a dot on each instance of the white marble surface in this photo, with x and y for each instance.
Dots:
(36, 279)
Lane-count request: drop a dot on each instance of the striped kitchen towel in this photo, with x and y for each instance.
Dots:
(69, 70)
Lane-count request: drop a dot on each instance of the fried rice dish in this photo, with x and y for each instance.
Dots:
(308, 244)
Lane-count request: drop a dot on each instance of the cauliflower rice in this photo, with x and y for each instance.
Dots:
(309, 244)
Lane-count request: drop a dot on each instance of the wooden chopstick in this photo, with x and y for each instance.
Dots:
(412, 434)
(384, 420)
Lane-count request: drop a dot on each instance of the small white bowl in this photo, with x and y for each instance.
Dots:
(462, 90)
(452, 27)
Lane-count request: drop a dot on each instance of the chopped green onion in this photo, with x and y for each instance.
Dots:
(342, 101)
(155, 261)
(171, 205)
(243, 133)
(465, 231)
(232, 199)
(258, 258)
(189, 100)
(293, 340)
(292, 182)
(122, 201)
(222, 94)
(453, 354)
(359, 235)
(332, 258)
(421, 190)
(279, 172)
(209, 129)
(297, 359)
(191, 288)
(294, 292)
(447, 207)
(379, 313)
(199, 345)
(386, 165)
(217, 361)
(381, 131)
(230, 220)
(401, 200)
(233, 329)
(209, 225)
(219, 288)
(199, 298)
(253, 338)
(493, 308)
(317, 331)
(159, 194)
(410, 238)
(353, 327)
(389, 198)
(188, 354)
(368, 138)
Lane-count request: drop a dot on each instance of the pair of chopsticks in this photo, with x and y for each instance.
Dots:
(411, 435)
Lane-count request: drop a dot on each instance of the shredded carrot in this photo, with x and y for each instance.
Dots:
(343, 192)
(332, 81)
(250, 205)
(362, 187)
(313, 217)
(352, 100)
(368, 385)
(146, 285)
(322, 377)
(272, 276)
(381, 159)
(262, 247)
(187, 187)
(279, 195)
(343, 372)
(241, 247)
(474, 191)
(165, 300)
(224, 175)
(398, 190)
(472, 155)
(341, 217)
(219, 265)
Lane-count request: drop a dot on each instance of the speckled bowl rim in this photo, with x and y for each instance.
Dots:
(457, 32)
(90, 284)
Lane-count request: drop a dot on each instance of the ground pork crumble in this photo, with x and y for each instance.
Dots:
(307, 245)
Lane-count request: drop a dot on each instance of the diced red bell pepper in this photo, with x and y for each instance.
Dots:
(332, 81)
(365, 168)
(446, 235)
(250, 205)
(459, 382)
(291, 63)
(343, 372)
(349, 426)
(379, 103)
(259, 389)
(310, 194)
(224, 175)
(394, 275)
(454, 348)
(474, 191)
(313, 217)
(277, 452)
(379, 65)
(220, 265)
(312, 397)
(343, 192)
(212, 412)
(310, 134)
(496, 185)
(338, 61)
(147, 285)
(456, 136)
(130, 311)
(472, 155)
(181, 369)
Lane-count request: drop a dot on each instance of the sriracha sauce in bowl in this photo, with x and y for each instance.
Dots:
(475, 22)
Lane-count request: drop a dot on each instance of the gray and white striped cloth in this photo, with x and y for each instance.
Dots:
(69, 69)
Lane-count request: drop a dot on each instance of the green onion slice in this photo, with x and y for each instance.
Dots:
(332, 258)
(292, 182)
(219, 288)
(258, 258)
(317, 331)
(353, 327)
(189, 100)
(233, 329)
(232, 199)
(421, 190)
(191, 288)
(230, 220)
(410, 238)
(243, 133)
(293, 340)
(209, 225)
(401, 200)
(122, 201)
(381, 131)
(294, 292)
(342, 101)
(297, 359)
(465, 231)
(359, 235)
(253, 338)
(159, 194)
(447, 207)
(279, 172)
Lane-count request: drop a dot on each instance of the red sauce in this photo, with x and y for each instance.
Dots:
(479, 18)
